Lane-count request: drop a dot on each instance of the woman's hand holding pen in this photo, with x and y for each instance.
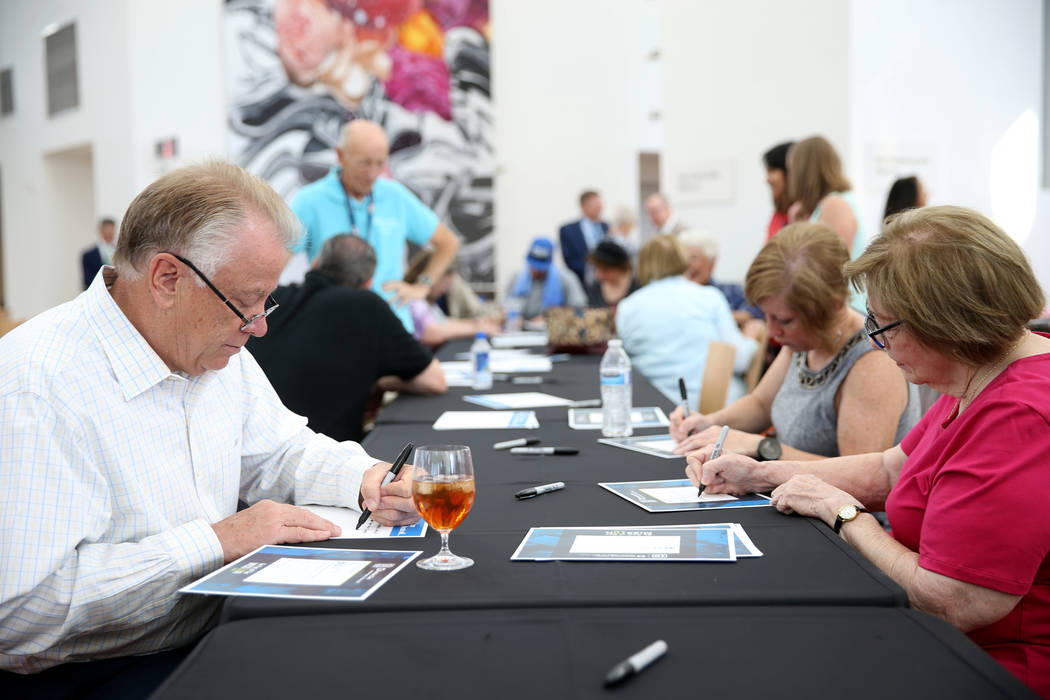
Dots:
(730, 473)
(682, 426)
(738, 441)
(390, 504)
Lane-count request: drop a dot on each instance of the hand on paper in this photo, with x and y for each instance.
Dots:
(390, 504)
(405, 292)
(736, 441)
(681, 427)
(730, 473)
(811, 496)
(267, 522)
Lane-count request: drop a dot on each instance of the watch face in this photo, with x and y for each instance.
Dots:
(769, 449)
(848, 512)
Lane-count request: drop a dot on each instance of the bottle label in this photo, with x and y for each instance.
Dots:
(616, 379)
(481, 362)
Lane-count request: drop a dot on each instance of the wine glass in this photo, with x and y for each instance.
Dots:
(443, 492)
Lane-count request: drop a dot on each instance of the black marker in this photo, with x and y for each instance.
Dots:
(544, 451)
(538, 490)
(636, 663)
(394, 469)
(517, 442)
(685, 397)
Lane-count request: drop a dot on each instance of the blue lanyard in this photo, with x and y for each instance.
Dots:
(369, 208)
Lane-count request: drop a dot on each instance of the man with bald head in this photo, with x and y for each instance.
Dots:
(132, 421)
(354, 197)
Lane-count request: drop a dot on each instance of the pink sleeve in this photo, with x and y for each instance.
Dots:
(987, 519)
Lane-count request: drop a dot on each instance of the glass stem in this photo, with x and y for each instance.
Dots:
(444, 552)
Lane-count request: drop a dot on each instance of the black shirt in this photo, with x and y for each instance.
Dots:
(325, 348)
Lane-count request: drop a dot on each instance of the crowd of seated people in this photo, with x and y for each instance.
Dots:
(837, 426)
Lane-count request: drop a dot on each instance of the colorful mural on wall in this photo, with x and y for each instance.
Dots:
(298, 69)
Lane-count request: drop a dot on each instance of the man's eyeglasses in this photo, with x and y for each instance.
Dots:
(871, 327)
(271, 303)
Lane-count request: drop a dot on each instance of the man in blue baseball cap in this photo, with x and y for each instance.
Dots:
(542, 284)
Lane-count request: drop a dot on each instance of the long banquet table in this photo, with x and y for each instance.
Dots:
(808, 618)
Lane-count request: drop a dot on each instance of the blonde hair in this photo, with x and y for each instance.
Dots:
(814, 171)
(662, 256)
(804, 262)
(197, 211)
(961, 286)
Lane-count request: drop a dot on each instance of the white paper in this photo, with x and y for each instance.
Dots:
(537, 364)
(667, 445)
(685, 494)
(346, 519)
(525, 399)
(290, 571)
(525, 339)
(499, 353)
(641, 417)
(625, 544)
(486, 420)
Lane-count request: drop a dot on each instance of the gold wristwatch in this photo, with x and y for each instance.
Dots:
(847, 513)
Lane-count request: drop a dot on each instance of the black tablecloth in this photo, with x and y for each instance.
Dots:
(735, 652)
(575, 379)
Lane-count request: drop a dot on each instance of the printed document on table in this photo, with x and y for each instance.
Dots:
(670, 495)
(274, 571)
(656, 445)
(744, 546)
(524, 339)
(499, 353)
(670, 543)
(591, 418)
(458, 373)
(346, 519)
(486, 420)
(524, 399)
(461, 369)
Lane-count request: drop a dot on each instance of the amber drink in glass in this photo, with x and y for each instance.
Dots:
(443, 492)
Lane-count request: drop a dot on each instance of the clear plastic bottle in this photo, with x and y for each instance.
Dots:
(480, 352)
(514, 321)
(615, 373)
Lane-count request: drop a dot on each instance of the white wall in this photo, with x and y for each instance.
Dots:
(564, 113)
(739, 78)
(147, 70)
(955, 87)
(41, 247)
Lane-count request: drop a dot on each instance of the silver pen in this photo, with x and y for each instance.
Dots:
(716, 453)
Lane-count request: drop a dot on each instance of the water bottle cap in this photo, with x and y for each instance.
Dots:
(616, 342)
(480, 335)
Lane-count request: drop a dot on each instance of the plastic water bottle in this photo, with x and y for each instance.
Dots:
(480, 352)
(514, 320)
(615, 372)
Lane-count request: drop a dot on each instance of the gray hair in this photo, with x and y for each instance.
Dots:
(198, 211)
(707, 243)
(348, 259)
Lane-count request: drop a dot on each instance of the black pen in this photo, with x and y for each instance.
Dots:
(544, 451)
(685, 397)
(715, 453)
(516, 442)
(636, 663)
(538, 490)
(390, 476)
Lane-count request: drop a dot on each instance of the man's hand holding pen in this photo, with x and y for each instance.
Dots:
(391, 504)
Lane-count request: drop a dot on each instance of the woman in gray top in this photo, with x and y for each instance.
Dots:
(825, 394)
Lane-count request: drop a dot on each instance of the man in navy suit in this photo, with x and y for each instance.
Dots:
(580, 237)
(101, 253)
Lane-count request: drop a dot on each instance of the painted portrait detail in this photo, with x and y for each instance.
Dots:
(297, 70)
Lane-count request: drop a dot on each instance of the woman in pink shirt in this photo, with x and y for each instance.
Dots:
(967, 491)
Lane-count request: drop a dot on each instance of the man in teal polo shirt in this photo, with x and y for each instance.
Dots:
(353, 198)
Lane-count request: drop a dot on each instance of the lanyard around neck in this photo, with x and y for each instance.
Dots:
(369, 208)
